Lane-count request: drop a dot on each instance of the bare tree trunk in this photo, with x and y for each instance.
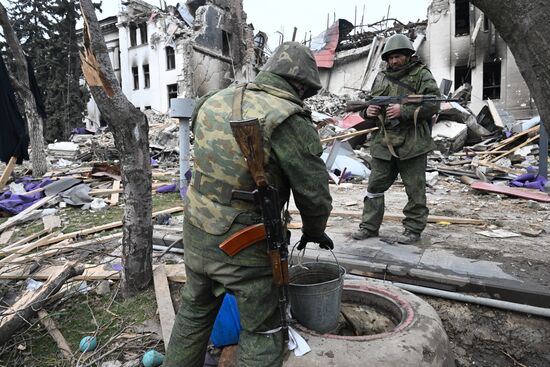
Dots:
(22, 87)
(130, 131)
(524, 26)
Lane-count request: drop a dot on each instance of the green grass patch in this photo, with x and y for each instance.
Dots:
(76, 318)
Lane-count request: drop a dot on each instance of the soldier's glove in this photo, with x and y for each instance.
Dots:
(324, 242)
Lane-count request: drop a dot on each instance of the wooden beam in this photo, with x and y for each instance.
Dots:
(431, 218)
(107, 226)
(175, 272)
(115, 195)
(164, 303)
(26, 249)
(7, 172)
(17, 315)
(349, 135)
(6, 250)
(512, 191)
(15, 219)
(65, 246)
(56, 335)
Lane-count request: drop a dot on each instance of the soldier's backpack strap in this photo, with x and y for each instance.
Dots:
(237, 113)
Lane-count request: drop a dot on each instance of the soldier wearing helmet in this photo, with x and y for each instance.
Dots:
(211, 215)
(401, 147)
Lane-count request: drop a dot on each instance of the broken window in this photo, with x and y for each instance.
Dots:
(172, 91)
(136, 77)
(133, 31)
(462, 75)
(170, 58)
(462, 17)
(146, 79)
(226, 41)
(143, 32)
(491, 80)
(486, 23)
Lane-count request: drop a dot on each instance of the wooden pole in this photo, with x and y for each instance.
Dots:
(350, 135)
(7, 172)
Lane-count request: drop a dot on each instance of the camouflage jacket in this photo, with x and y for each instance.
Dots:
(408, 140)
(292, 161)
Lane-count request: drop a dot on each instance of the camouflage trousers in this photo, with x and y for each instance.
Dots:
(202, 295)
(383, 175)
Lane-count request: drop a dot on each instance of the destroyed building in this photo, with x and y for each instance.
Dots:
(187, 50)
(464, 46)
(457, 42)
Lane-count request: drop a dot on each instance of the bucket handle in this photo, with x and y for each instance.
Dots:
(302, 253)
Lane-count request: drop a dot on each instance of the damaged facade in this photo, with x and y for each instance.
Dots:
(183, 51)
(457, 42)
(463, 46)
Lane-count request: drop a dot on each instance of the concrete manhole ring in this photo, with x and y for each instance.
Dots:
(418, 338)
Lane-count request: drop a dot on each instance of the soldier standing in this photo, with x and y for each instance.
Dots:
(402, 146)
(211, 215)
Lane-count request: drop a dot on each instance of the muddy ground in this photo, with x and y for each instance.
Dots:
(480, 336)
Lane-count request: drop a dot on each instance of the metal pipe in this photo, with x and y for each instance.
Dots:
(505, 305)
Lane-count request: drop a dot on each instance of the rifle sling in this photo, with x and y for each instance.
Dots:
(383, 128)
(408, 87)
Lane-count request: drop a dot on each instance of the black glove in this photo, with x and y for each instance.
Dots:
(324, 242)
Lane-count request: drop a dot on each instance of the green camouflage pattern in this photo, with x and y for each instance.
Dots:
(294, 61)
(407, 140)
(256, 295)
(397, 42)
(218, 156)
(382, 176)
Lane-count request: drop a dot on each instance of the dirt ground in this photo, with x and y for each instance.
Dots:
(480, 336)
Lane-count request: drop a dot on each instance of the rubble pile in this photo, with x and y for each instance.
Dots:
(327, 103)
(95, 147)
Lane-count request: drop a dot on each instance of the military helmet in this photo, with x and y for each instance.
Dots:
(294, 61)
(398, 43)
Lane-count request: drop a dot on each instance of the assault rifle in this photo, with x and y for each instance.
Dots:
(383, 101)
(249, 138)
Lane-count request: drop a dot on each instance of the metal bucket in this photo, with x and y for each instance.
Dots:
(315, 294)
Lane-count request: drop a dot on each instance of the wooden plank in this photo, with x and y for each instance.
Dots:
(494, 113)
(26, 249)
(115, 195)
(7, 172)
(23, 241)
(515, 148)
(511, 191)
(17, 315)
(51, 222)
(5, 237)
(431, 218)
(107, 226)
(56, 335)
(15, 219)
(174, 272)
(164, 303)
(349, 135)
(65, 246)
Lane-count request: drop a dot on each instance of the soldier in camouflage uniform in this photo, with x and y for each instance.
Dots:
(403, 148)
(292, 162)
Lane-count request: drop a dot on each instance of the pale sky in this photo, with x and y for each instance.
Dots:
(272, 16)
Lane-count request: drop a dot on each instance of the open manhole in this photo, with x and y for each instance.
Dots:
(370, 313)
